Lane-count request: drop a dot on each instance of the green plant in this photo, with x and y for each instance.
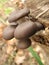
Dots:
(35, 55)
(8, 10)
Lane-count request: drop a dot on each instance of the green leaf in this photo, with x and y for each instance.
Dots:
(8, 10)
(35, 55)
(3, 1)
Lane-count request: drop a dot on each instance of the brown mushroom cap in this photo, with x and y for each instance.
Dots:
(23, 44)
(8, 32)
(15, 15)
(25, 30)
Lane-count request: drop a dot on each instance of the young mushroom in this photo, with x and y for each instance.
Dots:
(23, 44)
(27, 29)
(8, 32)
(15, 15)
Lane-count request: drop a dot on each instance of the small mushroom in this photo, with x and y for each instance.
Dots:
(23, 44)
(8, 32)
(25, 30)
(15, 15)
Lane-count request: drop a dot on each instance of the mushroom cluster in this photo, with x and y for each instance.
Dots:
(22, 31)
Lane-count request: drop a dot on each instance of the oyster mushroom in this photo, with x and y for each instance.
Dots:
(15, 15)
(27, 29)
(8, 32)
(23, 44)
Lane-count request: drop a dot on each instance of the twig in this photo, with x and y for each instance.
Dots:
(42, 13)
